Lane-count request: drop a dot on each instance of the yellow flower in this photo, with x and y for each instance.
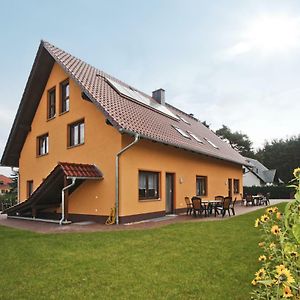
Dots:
(270, 210)
(254, 281)
(275, 209)
(279, 215)
(285, 276)
(275, 230)
(272, 246)
(280, 268)
(257, 222)
(287, 293)
(262, 258)
(271, 257)
(296, 173)
(294, 254)
(261, 244)
(260, 274)
(264, 218)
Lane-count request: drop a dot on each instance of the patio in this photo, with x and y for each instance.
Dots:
(43, 227)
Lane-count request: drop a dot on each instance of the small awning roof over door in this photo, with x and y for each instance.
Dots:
(48, 194)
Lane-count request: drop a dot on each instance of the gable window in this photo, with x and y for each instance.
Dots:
(51, 104)
(201, 185)
(76, 133)
(182, 132)
(43, 144)
(29, 188)
(236, 186)
(148, 185)
(65, 96)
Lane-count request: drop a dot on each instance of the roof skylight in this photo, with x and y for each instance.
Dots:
(211, 143)
(195, 137)
(183, 119)
(134, 94)
(182, 132)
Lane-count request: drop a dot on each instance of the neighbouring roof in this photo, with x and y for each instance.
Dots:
(48, 194)
(124, 113)
(261, 171)
(4, 180)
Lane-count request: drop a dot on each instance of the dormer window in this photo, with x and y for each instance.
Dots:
(64, 96)
(195, 137)
(51, 104)
(182, 132)
(211, 143)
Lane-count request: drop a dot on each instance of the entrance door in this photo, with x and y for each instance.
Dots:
(229, 187)
(169, 193)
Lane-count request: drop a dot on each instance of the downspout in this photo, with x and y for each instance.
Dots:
(63, 200)
(136, 139)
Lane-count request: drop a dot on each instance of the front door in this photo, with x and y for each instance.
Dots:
(169, 193)
(229, 187)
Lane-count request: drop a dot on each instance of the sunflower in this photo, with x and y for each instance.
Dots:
(271, 257)
(275, 209)
(261, 244)
(275, 230)
(270, 210)
(272, 246)
(280, 268)
(294, 254)
(262, 258)
(260, 274)
(285, 276)
(278, 215)
(257, 223)
(287, 293)
(296, 173)
(264, 218)
(254, 281)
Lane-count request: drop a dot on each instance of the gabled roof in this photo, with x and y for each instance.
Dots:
(262, 172)
(124, 113)
(4, 180)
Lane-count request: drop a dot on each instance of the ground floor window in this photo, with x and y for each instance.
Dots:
(236, 186)
(201, 185)
(148, 185)
(29, 188)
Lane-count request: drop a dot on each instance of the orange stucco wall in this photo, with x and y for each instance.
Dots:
(185, 165)
(102, 142)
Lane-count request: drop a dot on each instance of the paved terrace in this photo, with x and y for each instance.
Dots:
(44, 227)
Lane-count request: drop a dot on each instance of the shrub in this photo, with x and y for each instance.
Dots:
(276, 192)
(279, 275)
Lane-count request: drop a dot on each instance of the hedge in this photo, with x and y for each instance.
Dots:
(276, 192)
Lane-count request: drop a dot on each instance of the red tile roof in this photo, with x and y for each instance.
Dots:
(80, 170)
(4, 180)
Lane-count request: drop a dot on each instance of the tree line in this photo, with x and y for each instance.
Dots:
(280, 154)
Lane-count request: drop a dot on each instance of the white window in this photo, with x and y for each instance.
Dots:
(211, 143)
(195, 137)
(183, 119)
(182, 132)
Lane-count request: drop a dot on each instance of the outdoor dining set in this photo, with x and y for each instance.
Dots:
(217, 206)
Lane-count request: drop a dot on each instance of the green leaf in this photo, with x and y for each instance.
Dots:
(296, 232)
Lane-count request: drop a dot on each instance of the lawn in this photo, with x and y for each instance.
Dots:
(204, 260)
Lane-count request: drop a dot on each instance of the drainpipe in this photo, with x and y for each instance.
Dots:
(63, 200)
(136, 139)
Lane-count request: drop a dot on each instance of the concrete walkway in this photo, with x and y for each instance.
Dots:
(43, 227)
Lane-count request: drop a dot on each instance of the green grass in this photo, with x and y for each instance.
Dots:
(204, 260)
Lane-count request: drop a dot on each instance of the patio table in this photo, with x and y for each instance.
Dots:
(210, 205)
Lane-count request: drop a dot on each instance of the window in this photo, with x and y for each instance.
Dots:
(201, 185)
(43, 144)
(211, 143)
(148, 185)
(236, 186)
(195, 137)
(182, 132)
(183, 119)
(76, 133)
(29, 188)
(65, 96)
(51, 104)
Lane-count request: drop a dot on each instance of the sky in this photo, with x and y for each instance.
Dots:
(232, 62)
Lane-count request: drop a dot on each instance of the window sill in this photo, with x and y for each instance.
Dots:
(63, 113)
(42, 155)
(149, 200)
(50, 119)
(74, 146)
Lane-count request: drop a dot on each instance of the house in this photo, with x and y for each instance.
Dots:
(86, 142)
(256, 174)
(4, 184)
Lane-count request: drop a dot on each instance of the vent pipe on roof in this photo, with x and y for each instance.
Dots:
(159, 96)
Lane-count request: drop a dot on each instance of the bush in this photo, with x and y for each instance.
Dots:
(276, 192)
(279, 275)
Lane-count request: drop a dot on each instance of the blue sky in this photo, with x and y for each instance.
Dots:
(228, 62)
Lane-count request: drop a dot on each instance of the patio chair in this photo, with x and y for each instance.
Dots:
(189, 205)
(197, 206)
(221, 198)
(232, 204)
(249, 199)
(266, 199)
(225, 207)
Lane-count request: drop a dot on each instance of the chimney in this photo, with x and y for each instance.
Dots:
(159, 96)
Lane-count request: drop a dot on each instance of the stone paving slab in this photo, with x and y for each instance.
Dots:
(43, 227)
